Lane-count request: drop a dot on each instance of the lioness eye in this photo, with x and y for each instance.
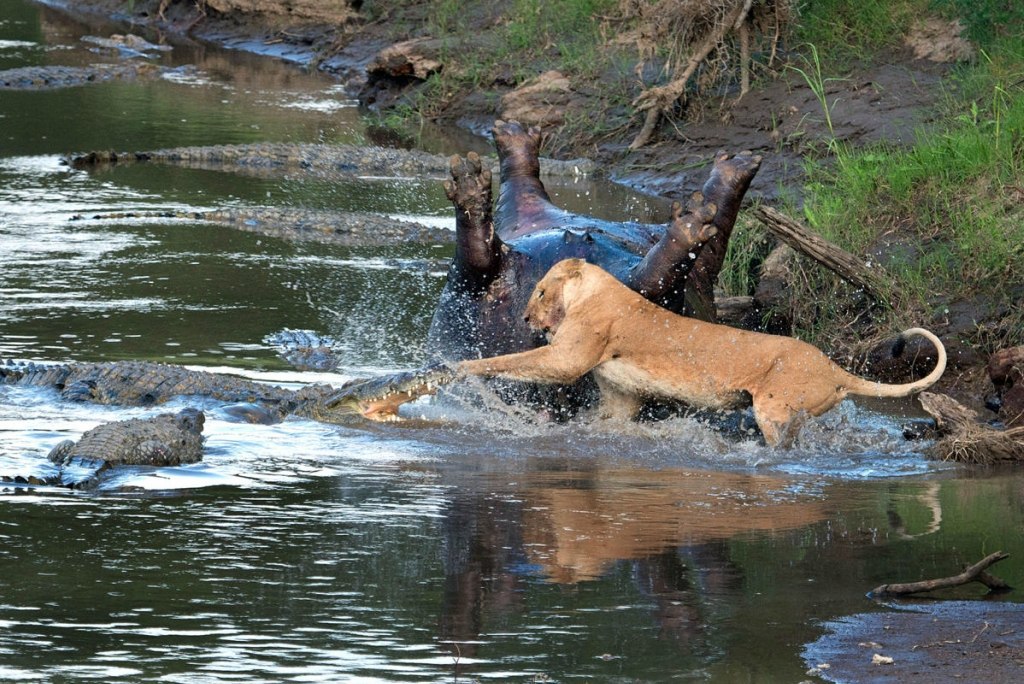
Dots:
(540, 294)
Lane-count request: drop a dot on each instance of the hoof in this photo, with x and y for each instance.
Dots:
(738, 167)
(694, 227)
(518, 149)
(511, 135)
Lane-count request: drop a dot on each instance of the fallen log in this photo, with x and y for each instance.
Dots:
(973, 573)
(874, 281)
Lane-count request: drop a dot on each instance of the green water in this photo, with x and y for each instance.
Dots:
(476, 546)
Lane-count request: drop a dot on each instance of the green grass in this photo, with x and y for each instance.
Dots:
(951, 202)
(987, 21)
(844, 29)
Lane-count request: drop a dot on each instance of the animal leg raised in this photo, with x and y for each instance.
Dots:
(661, 275)
(477, 247)
(725, 189)
(524, 206)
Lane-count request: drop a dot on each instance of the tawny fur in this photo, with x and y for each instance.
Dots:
(639, 350)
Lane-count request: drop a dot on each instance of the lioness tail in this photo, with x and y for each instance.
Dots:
(868, 388)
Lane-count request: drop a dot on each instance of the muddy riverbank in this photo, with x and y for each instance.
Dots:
(888, 98)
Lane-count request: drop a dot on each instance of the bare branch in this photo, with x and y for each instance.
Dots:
(974, 573)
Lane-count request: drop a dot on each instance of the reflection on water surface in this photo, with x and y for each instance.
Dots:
(475, 544)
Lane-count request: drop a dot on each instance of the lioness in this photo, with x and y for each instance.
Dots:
(638, 350)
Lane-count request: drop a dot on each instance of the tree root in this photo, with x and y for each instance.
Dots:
(965, 440)
(658, 100)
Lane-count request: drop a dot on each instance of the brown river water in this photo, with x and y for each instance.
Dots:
(474, 545)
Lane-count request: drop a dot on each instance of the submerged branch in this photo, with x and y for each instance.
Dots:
(974, 573)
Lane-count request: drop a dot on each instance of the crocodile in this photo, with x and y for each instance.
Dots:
(144, 383)
(129, 45)
(54, 76)
(299, 224)
(318, 159)
(305, 349)
(166, 439)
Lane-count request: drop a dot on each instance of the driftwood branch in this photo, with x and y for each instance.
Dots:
(658, 100)
(874, 281)
(974, 573)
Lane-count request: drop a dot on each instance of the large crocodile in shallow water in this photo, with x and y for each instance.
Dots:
(142, 383)
(163, 440)
(345, 228)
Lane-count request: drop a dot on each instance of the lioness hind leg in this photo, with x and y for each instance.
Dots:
(616, 404)
(792, 428)
(779, 423)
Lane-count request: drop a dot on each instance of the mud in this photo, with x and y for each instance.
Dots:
(785, 121)
(927, 641)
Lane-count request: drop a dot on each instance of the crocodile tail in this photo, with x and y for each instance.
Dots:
(9, 373)
(867, 388)
(21, 373)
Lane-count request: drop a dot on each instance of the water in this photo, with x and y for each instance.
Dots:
(474, 545)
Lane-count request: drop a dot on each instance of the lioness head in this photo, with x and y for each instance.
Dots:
(553, 294)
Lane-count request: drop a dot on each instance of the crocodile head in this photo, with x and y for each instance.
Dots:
(379, 398)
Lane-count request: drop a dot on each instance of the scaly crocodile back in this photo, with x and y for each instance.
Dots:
(162, 440)
(139, 383)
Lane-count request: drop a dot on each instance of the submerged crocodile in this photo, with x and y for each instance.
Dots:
(317, 159)
(345, 228)
(163, 440)
(142, 383)
(305, 349)
(267, 158)
(54, 76)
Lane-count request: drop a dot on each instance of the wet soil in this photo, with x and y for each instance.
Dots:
(932, 641)
(785, 122)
